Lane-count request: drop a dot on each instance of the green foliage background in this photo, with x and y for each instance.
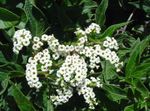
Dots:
(127, 20)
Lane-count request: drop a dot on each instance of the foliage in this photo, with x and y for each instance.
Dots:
(128, 90)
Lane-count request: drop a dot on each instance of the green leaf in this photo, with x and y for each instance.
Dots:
(2, 58)
(133, 59)
(135, 55)
(108, 71)
(141, 70)
(4, 78)
(129, 108)
(141, 88)
(3, 1)
(10, 32)
(23, 103)
(4, 85)
(145, 5)
(23, 20)
(115, 92)
(47, 103)
(89, 5)
(143, 45)
(100, 12)
(7, 15)
(7, 24)
(37, 20)
(110, 30)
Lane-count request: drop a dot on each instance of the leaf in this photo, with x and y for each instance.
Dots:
(115, 92)
(10, 32)
(109, 71)
(110, 30)
(143, 45)
(135, 56)
(4, 81)
(7, 15)
(133, 59)
(141, 88)
(2, 58)
(23, 20)
(47, 103)
(89, 5)
(4, 85)
(145, 5)
(129, 108)
(3, 1)
(100, 12)
(3, 76)
(141, 70)
(7, 24)
(37, 20)
(23, 103)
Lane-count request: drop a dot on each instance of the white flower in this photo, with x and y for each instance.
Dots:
(110, 43)
(93, 28)
(21, 38)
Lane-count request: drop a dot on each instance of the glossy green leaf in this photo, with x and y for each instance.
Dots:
(141, 70)
(108, 71)
(135, 56)
(23, 20)
(89, 5)
(37, 22)
(47, 103)
(23, 103)
(7, 15)
(115, 92)
(100, 12)
(4, 78)
(4, 85)
(133, 59)
(110, 30)
(7, 24)
(141, 88)
(129, 108)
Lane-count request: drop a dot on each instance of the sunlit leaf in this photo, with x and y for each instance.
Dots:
(23, 103)
(111, 29)
(100, 12)
(115, 92)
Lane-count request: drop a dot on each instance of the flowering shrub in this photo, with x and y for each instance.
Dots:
(63, 56)
(79, 61)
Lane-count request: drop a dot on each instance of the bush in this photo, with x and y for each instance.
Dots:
(74, 55)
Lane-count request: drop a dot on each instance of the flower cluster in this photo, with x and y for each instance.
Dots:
(21, 38)
(74, 72)
(79, 60)
(42, 58)
(93, 28)
(37, 43)
(110, 43)
(62, 96)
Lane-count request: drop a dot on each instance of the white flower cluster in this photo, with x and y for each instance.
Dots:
(31, 68)
(37, 43)
(74, 72)
(93, 28)
(110, 43)
(79, 60)
(63, 96)
(21, 38)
